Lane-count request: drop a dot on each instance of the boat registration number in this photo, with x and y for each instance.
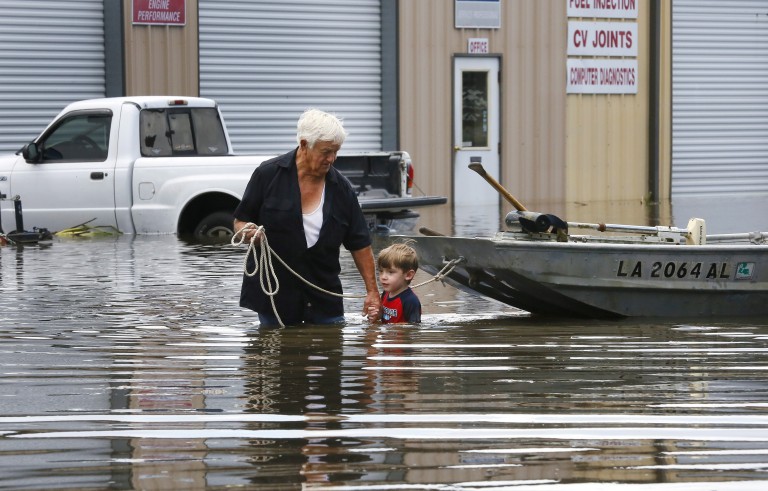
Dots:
(673, 269)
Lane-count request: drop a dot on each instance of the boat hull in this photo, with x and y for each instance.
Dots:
(606, 280)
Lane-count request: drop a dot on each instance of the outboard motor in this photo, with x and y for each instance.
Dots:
(20, 235)
(534, 222)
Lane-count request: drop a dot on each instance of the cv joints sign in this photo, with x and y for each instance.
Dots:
(160, 12)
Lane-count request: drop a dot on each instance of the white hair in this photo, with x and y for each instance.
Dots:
(315, 125)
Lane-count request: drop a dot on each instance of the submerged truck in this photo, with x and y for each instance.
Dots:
(165, 165)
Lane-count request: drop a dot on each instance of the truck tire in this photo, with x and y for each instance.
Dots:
(216, 226)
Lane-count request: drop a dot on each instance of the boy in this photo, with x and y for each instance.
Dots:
(397, 266)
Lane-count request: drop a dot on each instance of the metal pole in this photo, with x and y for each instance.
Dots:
(2, 197)
(654, 88)
(19, 215)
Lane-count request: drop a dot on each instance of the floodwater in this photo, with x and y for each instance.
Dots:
(126, 363)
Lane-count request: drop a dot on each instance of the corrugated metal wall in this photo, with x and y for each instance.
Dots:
(607, 149)
(531, 42)
(49, 57)
(266, 62)
(720, 97)
(161, 60)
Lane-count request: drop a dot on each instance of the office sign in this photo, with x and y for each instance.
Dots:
(478, 46)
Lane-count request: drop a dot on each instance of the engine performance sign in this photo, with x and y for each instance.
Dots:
(160, 12)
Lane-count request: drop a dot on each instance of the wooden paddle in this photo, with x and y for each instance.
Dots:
(478, 167)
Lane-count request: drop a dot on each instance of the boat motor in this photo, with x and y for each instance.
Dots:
(20, 235)
(534, 222)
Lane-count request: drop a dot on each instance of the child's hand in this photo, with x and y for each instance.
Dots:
(373, 314)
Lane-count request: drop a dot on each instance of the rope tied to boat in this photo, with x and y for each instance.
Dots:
(447, 269)
(262, 253)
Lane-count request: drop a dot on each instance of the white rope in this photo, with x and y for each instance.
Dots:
(447, 269)
(262, 260)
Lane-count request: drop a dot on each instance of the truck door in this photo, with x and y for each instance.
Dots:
(476, 138)
(74, 181)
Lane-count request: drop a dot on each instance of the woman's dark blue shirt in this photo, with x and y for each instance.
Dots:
(273, 199)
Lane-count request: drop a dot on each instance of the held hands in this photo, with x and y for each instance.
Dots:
(372, 307)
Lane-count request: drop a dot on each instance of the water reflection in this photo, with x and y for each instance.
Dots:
(126, 364)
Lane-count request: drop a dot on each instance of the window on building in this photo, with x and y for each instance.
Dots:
(474, 111)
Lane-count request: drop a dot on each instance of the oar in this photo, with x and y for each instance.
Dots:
(601, 227)
(430, 233)
(478, 167)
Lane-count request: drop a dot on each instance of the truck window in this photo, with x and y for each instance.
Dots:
(182, 131)
(80, 137)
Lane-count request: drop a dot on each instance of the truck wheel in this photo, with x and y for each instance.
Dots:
(218, 226)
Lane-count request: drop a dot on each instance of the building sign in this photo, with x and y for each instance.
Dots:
(602, 38)
(160, 12)
(611, 9)
(602, 76)
(478, 46)
(477, 13)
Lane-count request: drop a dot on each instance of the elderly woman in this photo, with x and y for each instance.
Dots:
(308, 211)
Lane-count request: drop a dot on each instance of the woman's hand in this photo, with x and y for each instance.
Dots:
(372, 306)
(245, 231)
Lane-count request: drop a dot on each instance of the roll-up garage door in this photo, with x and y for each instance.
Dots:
(51, 53)
(266, 62)
(720, 97)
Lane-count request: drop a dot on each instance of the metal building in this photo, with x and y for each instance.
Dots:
(49, 56)
(720, 97)
(411, 74)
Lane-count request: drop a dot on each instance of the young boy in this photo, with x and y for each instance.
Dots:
(397, 266)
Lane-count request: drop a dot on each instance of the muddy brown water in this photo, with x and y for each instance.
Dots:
(126, 363)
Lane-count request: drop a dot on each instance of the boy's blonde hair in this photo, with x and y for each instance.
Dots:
(400, 256)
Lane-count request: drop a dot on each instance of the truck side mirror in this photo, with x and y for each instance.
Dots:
(31, 152)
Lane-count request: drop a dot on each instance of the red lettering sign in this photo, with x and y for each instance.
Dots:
(160, 12)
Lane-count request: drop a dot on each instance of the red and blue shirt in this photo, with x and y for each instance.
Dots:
(403, 307)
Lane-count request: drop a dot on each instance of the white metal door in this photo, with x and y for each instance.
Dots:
(476, 122)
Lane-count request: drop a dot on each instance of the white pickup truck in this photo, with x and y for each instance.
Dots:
(161, 165)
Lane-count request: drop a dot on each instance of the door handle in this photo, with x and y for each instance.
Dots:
(97, 176)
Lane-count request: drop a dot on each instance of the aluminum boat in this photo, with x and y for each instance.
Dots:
(540, 265)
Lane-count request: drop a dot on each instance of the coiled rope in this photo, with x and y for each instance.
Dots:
(262, 253)
(262, 258)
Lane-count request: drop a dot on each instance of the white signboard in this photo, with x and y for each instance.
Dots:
(602, 38)
(477, 13)
(591, 76)
(478, 46)
(611, 9)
